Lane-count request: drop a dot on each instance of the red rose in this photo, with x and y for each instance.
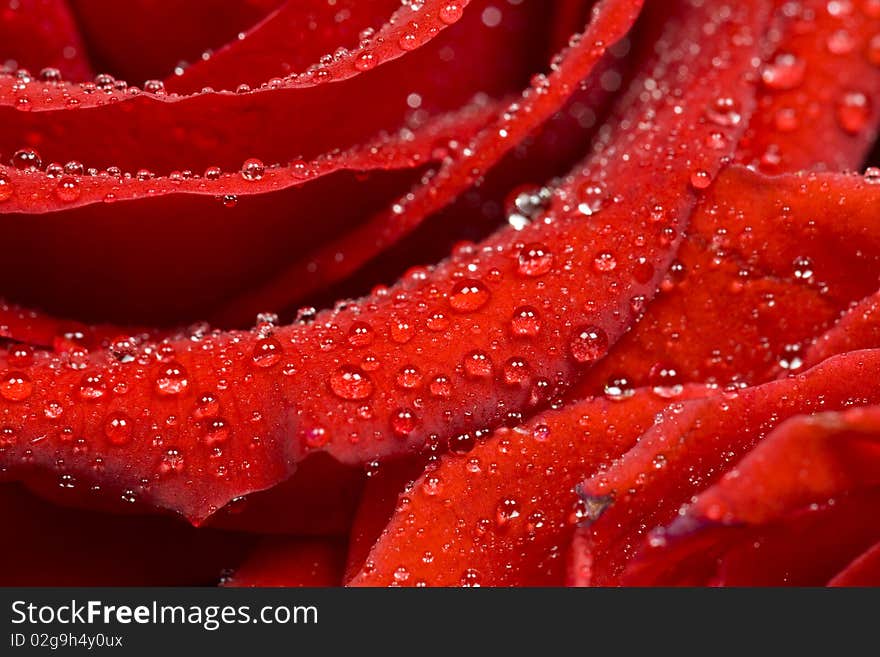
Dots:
(646, 356)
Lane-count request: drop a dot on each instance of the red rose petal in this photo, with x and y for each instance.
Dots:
(41, 36)
(521, 507)
(105, 126)
(819, 105)
(858, 328)
(146, 39)
(779, 258)
(548, 94)
(380, 499)
(298, 35)
(863, 571)
(335, 392)
(809, 475)
(291, 562)
(687, 450)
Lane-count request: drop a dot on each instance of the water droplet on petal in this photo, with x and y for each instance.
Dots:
(701, 179)
(403, 422)
(67, 189)
(477, 365)
(451, 12)
(253, 169)
(468, 295)
(16, 386)
(507, 510)
(172, 379)
(27, 159)
(360, 334)
(349, 382)
(267, 353)
(589, 343)
(534, 260)
(526, 322)
(217, 432)
(118, 429)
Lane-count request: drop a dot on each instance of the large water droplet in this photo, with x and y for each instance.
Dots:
(526, 322)
(253, 169)
(534, 260)
(468, 295)
(589, 343)
(267, 353)
(118, 429)
(16, 386)
(172, 379)
(27, 159)
(403, 422)
(349, 382)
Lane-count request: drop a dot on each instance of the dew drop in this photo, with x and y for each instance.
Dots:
(172, 462)
(67, 189)
(463, 443)
(534, 260)
(409, 377)
(16, 386)
(515, 371)
(701, 179)
(604, 262)
(253, 169)
(267, 353)
(468, 295)
(589, 343)
(401, 331)
(724, 111)
(541, 433)
(360, 334)
(27, 159)
(92, 387)
(365, 61)
(216, 432)
(172, 379)
(118, 429)
(506, 511)
(451, 12)
(206, 406)
(8, 437)
(618, 388)
(440, 386)
(591, 197)
(403, 422)
(408, 40)
(477, 365)
(803, 268)
(20, 355)
(154, 86)
(317, 437)
(526, 322)
(349, 382)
